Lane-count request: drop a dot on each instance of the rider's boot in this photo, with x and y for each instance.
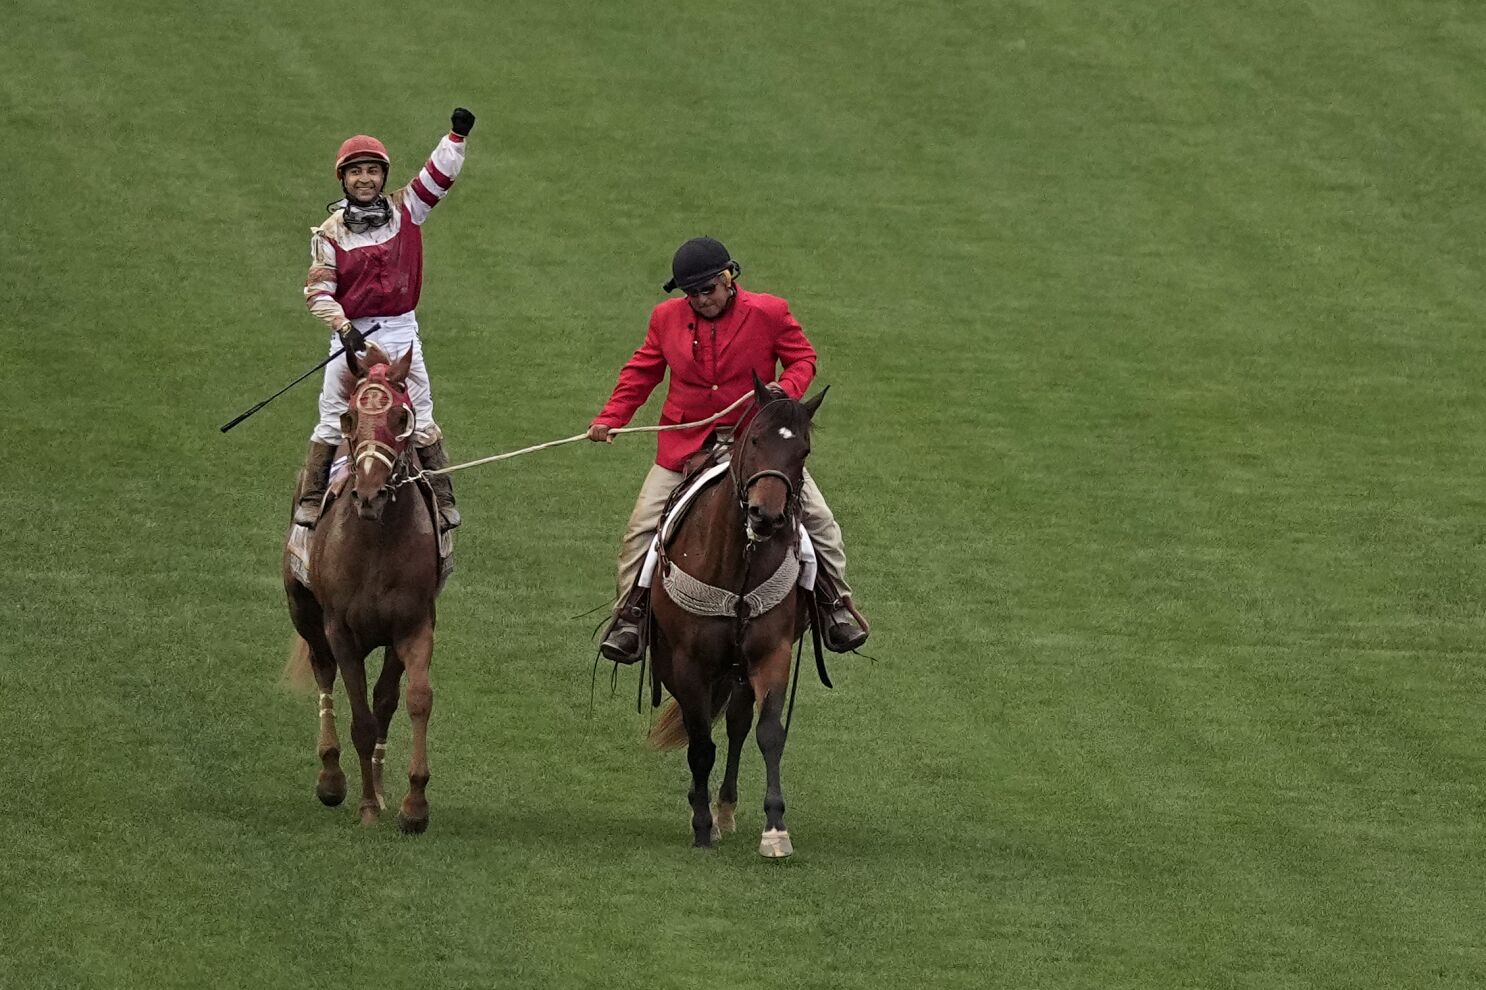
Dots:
(434, 459)
(622, 642)
(843, 628)
(309, 493)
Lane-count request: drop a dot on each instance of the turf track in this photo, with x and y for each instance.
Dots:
(1156, 431)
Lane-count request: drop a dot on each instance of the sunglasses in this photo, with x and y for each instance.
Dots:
(700, 290)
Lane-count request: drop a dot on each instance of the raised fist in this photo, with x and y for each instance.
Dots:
(461, 122)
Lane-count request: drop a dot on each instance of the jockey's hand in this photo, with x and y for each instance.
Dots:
(599, 433)
(461, 122)
(774, 388)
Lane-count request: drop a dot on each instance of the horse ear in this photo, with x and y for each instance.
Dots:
(760, 394)
(398, 373)
(813, 404)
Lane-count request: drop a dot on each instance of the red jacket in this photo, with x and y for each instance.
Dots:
(711, 365)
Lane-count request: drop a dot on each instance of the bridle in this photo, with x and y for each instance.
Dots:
(741, 488)
(376, 396)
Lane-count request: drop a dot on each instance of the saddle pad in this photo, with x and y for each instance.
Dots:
(299, 553)
(678, 511)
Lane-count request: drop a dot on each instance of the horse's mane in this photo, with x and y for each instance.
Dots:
(346, 383)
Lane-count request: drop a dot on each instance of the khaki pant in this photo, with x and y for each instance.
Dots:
(830, 552)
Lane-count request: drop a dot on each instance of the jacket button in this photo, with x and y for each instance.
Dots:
(714, 388)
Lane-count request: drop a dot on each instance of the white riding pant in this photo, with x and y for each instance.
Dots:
(398, 335)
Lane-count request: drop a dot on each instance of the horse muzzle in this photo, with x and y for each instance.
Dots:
(369, 507)
(762, 522)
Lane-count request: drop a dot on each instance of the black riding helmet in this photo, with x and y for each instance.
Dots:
(697, 262)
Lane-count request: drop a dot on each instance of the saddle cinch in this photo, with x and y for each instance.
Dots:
(301, 538)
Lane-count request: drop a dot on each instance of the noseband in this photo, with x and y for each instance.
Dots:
(757, 476)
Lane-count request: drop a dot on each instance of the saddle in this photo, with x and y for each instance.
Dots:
(698, 472)
(301, 539)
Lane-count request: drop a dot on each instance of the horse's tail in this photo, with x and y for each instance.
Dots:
(297, 673)
(669, 731)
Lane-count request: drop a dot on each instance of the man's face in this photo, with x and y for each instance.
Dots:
(364, 181)
(709, 299)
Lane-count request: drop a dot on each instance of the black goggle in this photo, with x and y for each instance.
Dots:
(359, 219)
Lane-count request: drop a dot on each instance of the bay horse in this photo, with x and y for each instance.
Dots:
(739, 537)
(373, 569)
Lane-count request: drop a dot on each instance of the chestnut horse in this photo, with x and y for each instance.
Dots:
(374, 568)
(738, 537)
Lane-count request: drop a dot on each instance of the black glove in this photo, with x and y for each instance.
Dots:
(461, 122)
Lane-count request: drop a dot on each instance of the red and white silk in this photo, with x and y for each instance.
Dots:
(376, 276)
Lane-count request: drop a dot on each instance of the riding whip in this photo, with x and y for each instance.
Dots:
(227, 426)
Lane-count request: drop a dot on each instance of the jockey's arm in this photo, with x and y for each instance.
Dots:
(320, 284)
(434, 179)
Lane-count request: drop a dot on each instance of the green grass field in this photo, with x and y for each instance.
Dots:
(1156, 431)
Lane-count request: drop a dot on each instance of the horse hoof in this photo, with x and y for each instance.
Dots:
(775, 844)
(411, 826)
(331, 790)
(716, 833)
(368, 813)
(724, 820)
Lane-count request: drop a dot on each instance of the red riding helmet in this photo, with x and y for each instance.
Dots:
(361, 148)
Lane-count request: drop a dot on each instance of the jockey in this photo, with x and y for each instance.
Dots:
(713, 341)
(366, 267)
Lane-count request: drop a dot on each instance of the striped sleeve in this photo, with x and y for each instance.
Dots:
(435, 178)
(320, 284)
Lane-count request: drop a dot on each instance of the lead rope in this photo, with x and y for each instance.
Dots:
(574, 439)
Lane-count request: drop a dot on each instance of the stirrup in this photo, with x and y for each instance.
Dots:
(845, 628)
(622, 644)
(448, 518)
